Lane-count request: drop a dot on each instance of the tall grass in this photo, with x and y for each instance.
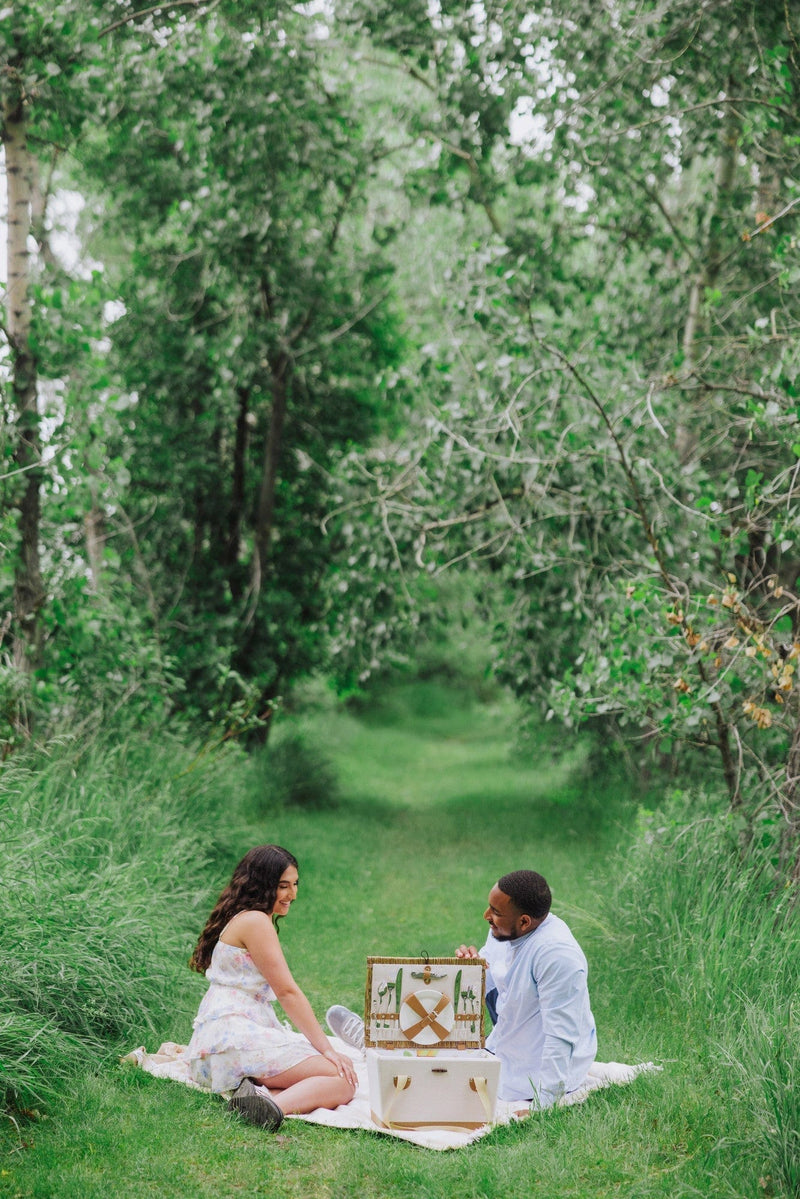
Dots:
(105, 847)
(703, 939)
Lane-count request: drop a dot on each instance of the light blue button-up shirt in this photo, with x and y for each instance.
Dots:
(545, 1035)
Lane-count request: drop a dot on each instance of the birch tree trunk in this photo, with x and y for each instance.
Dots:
(28, 588)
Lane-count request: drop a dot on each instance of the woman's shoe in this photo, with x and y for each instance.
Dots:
(346, 1025)
(254, 1107)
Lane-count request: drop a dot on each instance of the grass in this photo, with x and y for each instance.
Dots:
(434, 804)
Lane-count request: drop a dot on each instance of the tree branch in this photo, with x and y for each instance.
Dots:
(770, 221)
(147, 12)
(655, 199)
(340, 331)
(723, 729)
(403, 67)
(475, 176)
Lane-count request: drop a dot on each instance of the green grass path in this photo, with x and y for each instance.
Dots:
(435, 806)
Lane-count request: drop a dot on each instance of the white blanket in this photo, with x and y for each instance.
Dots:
(169, 1063)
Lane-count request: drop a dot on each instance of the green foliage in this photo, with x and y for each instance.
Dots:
(766, 1061)
(612, 401)
(436, 632)
(256, 334)
(230, 276)
(104, 653)
(568, 235)
(15, 700)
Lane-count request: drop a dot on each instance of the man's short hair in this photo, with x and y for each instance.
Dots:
(528, 891)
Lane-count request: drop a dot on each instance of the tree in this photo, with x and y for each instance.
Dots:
(255, 337)
(55, 82)
(619, 418)
(37, 91)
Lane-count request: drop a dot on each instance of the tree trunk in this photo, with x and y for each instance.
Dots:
(94, 525)
(265, 517)
(706, 278)
(236, 514)
(28, 589)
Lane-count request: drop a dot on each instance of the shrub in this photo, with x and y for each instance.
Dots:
(297, 773)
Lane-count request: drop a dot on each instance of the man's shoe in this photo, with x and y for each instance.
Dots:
(254, 1107)
(346, 1025)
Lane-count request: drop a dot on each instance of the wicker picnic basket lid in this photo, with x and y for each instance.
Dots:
(424, 1003)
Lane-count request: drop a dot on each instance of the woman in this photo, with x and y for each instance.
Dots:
(237, 1037)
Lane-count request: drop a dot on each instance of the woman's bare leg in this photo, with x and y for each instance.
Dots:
(314, 1082)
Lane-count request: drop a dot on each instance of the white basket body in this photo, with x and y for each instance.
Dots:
(432, 1087)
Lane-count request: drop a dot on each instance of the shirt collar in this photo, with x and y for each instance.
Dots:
(520, 941)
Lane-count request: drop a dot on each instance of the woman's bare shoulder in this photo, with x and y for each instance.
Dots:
(246, 925)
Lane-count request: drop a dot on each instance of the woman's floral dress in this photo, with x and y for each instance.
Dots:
(236, 1032)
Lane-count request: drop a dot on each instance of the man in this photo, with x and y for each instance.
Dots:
(544, 1032)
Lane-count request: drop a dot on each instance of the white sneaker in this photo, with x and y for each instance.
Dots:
(346, 1025)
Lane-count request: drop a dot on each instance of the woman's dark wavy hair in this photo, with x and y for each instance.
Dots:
(253, 888)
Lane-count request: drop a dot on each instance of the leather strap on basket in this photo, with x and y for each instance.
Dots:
(428, 1019)
(400, 1081)
(479, 1086)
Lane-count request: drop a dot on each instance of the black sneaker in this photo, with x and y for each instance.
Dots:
(254, 1107)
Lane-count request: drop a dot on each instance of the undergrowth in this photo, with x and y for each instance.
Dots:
(705, 942)
(105, 846)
